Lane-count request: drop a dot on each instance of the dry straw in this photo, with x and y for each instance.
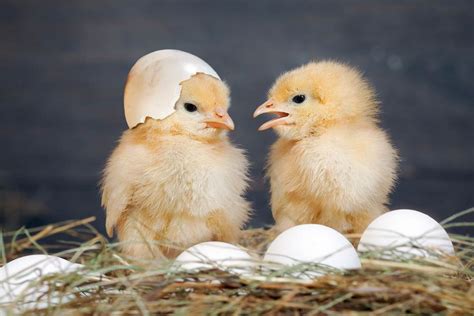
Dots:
(380, 288)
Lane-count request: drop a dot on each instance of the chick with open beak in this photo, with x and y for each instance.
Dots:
(332, 164)
(270, 108)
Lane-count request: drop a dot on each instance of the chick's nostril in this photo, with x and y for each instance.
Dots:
(220, 112)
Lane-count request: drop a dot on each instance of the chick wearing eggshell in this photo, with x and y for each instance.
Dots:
(175, 179)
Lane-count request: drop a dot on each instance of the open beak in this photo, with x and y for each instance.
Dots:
(269, 107)
(220, 119)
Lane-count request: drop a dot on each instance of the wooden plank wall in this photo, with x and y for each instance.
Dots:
(63, 65)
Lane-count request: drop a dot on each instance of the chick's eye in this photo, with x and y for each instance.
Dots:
(299, 98)
(190, 107)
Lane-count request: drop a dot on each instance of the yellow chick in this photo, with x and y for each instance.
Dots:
(176, 182)
(332, 164)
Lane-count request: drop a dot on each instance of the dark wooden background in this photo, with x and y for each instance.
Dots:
(63, 65)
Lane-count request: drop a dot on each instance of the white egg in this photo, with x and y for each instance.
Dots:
(313, 243)
(215, 255)
(153, 84)
(18, 276)
(404, 234)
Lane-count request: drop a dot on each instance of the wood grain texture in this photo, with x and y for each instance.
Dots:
(64, 65)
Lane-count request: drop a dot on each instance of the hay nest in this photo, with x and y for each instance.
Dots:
(113, 284)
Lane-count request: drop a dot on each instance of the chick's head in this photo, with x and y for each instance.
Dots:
(201, 110)
(316, 96)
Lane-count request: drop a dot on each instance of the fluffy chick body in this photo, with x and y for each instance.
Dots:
(168, 183)
(337, 179)
(332, 164)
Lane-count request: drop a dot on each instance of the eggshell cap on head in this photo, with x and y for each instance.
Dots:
(153, 84)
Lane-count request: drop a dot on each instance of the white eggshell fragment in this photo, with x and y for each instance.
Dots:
(153, 84)
(17, 280)
(215, 255)
(314, 244)
(404, 234)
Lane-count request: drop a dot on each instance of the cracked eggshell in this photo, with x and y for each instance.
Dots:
(153, 84)
(313, 244)
(215, 255)
(404, 234)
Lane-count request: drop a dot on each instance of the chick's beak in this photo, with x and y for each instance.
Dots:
(220, 119)
(269, 107)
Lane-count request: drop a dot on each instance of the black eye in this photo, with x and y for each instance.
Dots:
(299, 98)
(190, 107)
